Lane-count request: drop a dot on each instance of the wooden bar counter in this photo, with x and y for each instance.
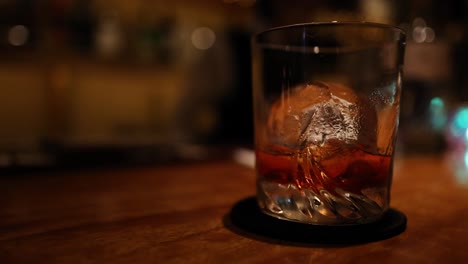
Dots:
(175, 214)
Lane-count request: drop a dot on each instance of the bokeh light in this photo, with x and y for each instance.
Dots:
(437, 113)
(203, 38)
(460, 123)
(18, 35)
(421, 32)
(316, 50)
(457, 129)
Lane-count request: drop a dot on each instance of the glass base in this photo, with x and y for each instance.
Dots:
(287, 202)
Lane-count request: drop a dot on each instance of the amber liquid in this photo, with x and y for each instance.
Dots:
(351, 170)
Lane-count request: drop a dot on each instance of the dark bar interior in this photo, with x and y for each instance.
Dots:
(127, 135)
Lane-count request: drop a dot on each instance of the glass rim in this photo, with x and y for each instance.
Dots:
(334, 23)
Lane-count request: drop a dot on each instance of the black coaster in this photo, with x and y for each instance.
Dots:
(247, 219)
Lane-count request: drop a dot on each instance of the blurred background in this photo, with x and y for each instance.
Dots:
(93, 82)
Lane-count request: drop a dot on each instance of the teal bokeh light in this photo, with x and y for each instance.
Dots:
(461, 118)
(460, 122)
(437, 103)
(437, 113)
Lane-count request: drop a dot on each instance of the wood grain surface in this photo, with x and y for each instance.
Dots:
(174, 214)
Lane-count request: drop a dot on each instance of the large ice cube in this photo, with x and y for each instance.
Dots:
(323, 115)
